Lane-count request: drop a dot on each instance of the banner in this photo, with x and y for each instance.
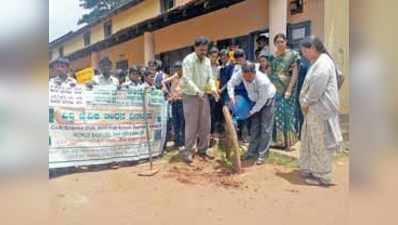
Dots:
(98, 126)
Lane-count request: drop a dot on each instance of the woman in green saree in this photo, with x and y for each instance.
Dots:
(284, 75)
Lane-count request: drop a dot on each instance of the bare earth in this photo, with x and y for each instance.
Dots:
(204, 193)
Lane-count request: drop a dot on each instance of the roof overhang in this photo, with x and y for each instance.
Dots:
(176, 15)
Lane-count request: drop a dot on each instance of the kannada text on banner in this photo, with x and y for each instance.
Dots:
(98, 126)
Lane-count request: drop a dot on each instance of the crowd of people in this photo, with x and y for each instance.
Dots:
(291, 96)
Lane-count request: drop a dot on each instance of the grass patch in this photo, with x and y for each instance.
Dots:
(282, 160)
(221, 159)
(225, 162)
(341, 155)
(274, 158)
(219, 154)
(172, 156)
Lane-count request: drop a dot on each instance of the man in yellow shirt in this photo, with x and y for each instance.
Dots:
(197, 79)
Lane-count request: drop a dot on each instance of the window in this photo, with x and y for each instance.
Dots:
(108, 29)
(297, 32)
(167, 5)
(169, 58)
(61, 51)
(122, 64)
(87, 38)
(244, 42)
(296, 7)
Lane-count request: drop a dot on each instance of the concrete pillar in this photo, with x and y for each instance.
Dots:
(336, 38)
(149, 46)
(95, 58)
(277, 19)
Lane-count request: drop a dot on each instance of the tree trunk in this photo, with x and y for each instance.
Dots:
(232, 138)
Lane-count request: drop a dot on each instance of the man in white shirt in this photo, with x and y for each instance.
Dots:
(134, 78)
(156, 67)
(62, 78)
(149, 78)
(260, 91)
(243, 125)
(105, 79)
(262, 45)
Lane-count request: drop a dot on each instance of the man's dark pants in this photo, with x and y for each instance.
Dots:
(216, 114)
(178, 122)
(261, 130)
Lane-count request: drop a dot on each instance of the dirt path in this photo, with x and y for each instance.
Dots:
(201, 194)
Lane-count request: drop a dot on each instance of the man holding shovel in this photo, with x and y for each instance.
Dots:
(260, 91)
(197, 79)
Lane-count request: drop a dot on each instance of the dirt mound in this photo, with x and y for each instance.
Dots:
(202, 172)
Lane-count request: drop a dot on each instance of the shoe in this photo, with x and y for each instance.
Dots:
(260, 161)
(186, 157)
(115, 165)
(243, 141)
(326, 183)
(248, 156)
(312, 181)
(306, 174)
(263, 156)
(205, 155)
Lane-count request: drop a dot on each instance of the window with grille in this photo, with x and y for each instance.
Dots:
(108, 29)
(122, 64)
(296, 7)
(61, 51)
(297, 32)
(87, 38)
(167, 5)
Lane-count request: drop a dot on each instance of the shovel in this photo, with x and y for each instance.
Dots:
(151, 171)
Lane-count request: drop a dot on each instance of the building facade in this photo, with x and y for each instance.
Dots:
(145, 29)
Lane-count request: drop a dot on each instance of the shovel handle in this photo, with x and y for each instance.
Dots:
(148, 139)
